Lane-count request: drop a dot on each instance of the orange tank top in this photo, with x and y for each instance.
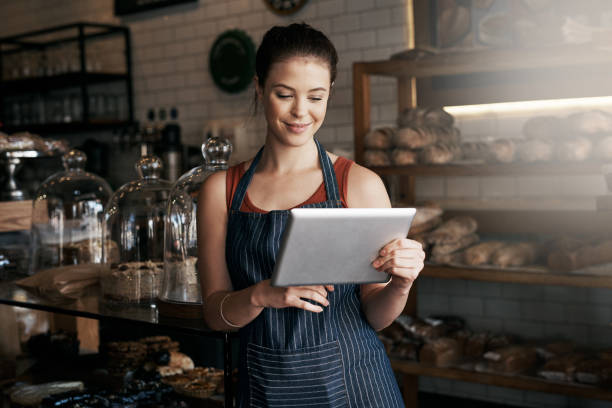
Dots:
(235, 173)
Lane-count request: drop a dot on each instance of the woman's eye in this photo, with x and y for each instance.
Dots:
(316, 98)
(283, 96)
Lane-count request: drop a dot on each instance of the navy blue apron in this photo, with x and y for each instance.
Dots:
(291, 357)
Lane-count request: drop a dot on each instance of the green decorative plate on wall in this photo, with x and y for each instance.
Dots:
(232, 61)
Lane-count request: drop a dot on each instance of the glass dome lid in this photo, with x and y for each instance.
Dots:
(67, 216)
(180, 293)
(134, 222)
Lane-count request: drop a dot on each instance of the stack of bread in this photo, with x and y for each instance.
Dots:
(423, 135)
(450, 237)
(445, 341)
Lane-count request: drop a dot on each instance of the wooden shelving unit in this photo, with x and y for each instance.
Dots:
(510, 276)
(521, 382)
(552, 66)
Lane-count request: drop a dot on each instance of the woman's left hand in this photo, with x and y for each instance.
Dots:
(403, 260)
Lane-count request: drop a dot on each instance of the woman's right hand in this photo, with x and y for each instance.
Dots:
(265, 295)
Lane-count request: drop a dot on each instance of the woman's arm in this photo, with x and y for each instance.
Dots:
(239, 307)
(402, 258)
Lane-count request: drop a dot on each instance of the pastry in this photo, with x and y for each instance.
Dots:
(441, 352)
(474, 150)
(516, 254)
(511, 359)
(376, 158)
(502, 151)
(562, 367)
(542, 127)
(402, 157)
(380, 138)
(461, 242)
(414, 138)
(480, 254)
(452, 230)
(439, 153)
(574, 150)
(589, 123)
(132, 282)
(534, 150)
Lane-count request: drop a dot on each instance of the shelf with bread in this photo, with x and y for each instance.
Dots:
(529, 383)
(425, 142)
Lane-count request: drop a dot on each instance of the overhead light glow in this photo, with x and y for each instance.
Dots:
(531, 106)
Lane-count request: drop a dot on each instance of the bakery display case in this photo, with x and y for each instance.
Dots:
(180, 293)
(485, 76)
(67, 216)
(66, 78)
(133, 231)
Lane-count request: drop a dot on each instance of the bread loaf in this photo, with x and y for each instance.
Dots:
(589, 123)
(555, 349)
(461, 242)
(414, 138)
(481, 253)
(452, 258)
(448, 135)
(380, 138)
(513, 255)
(511, 359)
(502, 151)
(403, 157)
(584, 256)
(535, 150)
(574, 150)
(561, 368)
(542, 127)
(425, 219)
(439, 154)
(441, 352)
(376, 158)
(474, 151)
(452, 230)
(476, 345)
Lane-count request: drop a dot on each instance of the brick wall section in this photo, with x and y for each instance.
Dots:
(170, 51)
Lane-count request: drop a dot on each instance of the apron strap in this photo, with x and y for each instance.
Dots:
(329, 178)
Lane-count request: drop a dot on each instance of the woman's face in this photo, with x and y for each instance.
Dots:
(294, 99)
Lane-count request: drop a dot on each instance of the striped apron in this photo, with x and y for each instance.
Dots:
(291, 357)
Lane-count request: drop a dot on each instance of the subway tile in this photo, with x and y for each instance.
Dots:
(566, 294)
(543, 311)
(530, 186)
(484, 289)
(579, 333)
(252, 20)
(328, 8)
(525, 329)
(466, 306)
(498, 187)
(427, 187)
(503, 394)
(591, 185)
(545, 400)
(600, 295)
(376, 19)
(502, 308)
(345, 23)
(360, 5)
(462, 187)
(362, 39)
(391, 36)
(589, 314)
(521, 291)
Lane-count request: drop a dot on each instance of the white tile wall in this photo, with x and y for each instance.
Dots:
(170, 51)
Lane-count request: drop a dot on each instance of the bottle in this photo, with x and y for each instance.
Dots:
(148, 134)
(172, 148)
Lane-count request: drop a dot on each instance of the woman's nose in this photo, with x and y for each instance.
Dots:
(299, 108)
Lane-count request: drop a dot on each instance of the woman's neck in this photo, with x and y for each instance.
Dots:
(283, 159)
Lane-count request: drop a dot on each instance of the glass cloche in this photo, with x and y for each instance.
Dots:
(134, 221)
(67, 216)
(180, 294)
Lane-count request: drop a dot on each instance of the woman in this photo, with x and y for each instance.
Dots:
(308, 345)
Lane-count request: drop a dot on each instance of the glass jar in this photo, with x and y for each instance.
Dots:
(67, 216)
(134, 220)
(180, 294)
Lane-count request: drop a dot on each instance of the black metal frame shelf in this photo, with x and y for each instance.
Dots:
(41, 40)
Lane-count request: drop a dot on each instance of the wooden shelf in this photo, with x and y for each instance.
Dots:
(534, 278)
(15, 215)
(489, 60)
(510, 169)
(68, 127)
(500, 380)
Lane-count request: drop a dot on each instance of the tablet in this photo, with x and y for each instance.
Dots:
(337, 245)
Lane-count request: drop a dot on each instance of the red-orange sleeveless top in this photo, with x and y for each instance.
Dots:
(235, 173)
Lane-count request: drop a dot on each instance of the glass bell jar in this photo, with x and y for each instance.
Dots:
(134, 222)
(67, 217)
(180, 294)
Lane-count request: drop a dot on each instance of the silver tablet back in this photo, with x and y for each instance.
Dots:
(337, 245)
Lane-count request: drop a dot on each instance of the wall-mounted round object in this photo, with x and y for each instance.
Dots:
(232, 61)
(285, 7)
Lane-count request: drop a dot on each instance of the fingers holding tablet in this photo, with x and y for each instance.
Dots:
(292, 296)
